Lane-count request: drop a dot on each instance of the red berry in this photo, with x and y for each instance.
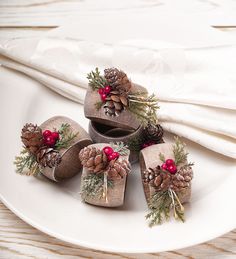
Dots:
(108, 150)
(172, 169)
(55, 135)
(110, 157)
(101, 91)
(47, 133)
(50, 141)
(103, 97)
(164, 166)
(115, 155)
(107, 89)
(170, 162)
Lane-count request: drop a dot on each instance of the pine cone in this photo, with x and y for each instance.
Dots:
(115, 103)
(158, 179)
(153, 132)
(182, 178)
(48, 157)
(94, 159)
(117, 79)
(32, 137)
(118, 169)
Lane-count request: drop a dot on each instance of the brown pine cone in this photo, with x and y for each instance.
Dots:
(115, 103)
(32, 137)
(117, 79)
(48, 157)
(182, 178)
(158, 179)
(153, 132)
(95, 160)
(118, 169)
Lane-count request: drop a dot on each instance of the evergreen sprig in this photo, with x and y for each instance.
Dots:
(162, 157)
(66, 136)
(179, 151)
(144, 107)
(26, 160)
(96, 81)
(93, 186)
(160, 206)
(135, 143)
(98, 105)
(120, 147)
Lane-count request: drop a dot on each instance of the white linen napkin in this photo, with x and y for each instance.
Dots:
(187, 80)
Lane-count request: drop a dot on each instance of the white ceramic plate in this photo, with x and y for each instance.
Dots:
(50, 208)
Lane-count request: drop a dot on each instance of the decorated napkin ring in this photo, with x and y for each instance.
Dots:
(112, 99)
(166, 176)
(52, 148)
(105, 171)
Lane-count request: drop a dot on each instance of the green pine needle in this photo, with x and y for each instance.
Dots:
(179, 152)
(144, 107)
(96, 81)
(162, 157)
(98, 105)
(26, 163)
(93, 186)
(135, 143)
(120, 147)
(160, 206)
(66, 136)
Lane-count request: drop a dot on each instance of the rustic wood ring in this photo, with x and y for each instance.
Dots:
(70, 164)
(103, 134)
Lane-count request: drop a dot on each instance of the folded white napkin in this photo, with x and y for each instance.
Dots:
(196, 86)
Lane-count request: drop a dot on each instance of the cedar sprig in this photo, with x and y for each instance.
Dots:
(162, 157)
(26, 160)
(144, 107)
(96, 81)
(66, 136)
(98, 105)
(159, 206)
(179, 151)
(93, 186)
(120, 147)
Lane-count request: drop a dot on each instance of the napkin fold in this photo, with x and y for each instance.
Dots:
(196, 86)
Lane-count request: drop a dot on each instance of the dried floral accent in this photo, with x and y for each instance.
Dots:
(168, 180)
(32, 160)
(115, 92)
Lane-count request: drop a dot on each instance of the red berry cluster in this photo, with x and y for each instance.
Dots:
(148, 143)
(104, 92)
(50, 138)
(111, 155)
(169, 166)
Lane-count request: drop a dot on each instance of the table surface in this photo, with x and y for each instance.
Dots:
(31, 18)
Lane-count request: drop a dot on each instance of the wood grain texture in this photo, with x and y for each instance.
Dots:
(19, 240)
(31, 18)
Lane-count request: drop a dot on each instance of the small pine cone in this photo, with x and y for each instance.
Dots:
(95, 160)
(48, 157)
(182, 178)
(117, 79)
(115, 103)
(118, 169)
(32, 137)
(158, 179)
(153, 132)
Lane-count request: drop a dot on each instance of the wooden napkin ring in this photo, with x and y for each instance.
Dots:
(104, 134)
(126, 119)
(95, 188)
(149, 158)
(70, 164)
(166, 177)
